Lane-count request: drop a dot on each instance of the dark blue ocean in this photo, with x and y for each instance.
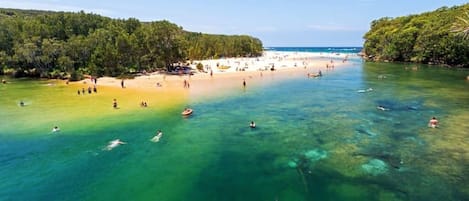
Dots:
(345, 50)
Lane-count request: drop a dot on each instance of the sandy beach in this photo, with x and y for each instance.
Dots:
(223, 74)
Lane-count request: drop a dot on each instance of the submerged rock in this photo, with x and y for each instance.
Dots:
(292, 164)
(375, 167)
(315, 155)
(308, 158)
(365, 131)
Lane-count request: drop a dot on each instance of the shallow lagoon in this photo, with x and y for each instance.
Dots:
(317, 139)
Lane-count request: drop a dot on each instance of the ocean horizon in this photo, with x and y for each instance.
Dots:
(335, 49)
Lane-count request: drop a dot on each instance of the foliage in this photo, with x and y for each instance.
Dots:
(424, 38)
(461, 26)
(62, 44)
(200, 67)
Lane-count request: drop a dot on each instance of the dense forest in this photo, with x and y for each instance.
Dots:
(430, 38)
(70, 45)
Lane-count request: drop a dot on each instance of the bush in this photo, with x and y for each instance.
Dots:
(19, 73)
(200, 67)
(76, 76)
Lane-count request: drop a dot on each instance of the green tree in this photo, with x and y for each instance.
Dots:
(423, 38)
(52, 44)
(461, 26)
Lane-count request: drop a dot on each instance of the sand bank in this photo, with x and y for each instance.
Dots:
(223, 74)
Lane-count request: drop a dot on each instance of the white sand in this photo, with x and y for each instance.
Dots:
(253, 70)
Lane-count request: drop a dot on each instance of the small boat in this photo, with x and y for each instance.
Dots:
(187, 112)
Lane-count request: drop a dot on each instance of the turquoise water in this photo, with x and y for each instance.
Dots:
(317, 139)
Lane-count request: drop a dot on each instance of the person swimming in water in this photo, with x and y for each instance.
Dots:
(113, 144)
(433, 122)
(55, 129)
(252, 124)
(365, 90)
(157, 137)
(382, 108)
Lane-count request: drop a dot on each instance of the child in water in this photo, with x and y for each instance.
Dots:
(157, 137)
(433, 122)
(55, 129)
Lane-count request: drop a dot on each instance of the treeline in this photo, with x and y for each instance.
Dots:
(70, 45)
(425, 38)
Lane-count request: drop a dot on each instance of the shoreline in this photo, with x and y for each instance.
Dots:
(286, 65)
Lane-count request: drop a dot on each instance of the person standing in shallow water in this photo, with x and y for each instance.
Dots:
(244, 83)
(122, 83)
(433, 122)
(114, 103)
(252, 124)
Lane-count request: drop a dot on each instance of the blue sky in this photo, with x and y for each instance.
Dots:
(275, 22)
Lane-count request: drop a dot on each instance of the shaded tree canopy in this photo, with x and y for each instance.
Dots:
(424, 38)
(64, 44)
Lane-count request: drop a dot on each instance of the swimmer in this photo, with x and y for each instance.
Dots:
(252, 124)
(381, 108)
(55, 129)
(157, 137)
(113, 144)
(21, 103)
(433, 122)
(365, 90)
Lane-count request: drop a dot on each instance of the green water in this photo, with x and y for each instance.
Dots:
(317, 139)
